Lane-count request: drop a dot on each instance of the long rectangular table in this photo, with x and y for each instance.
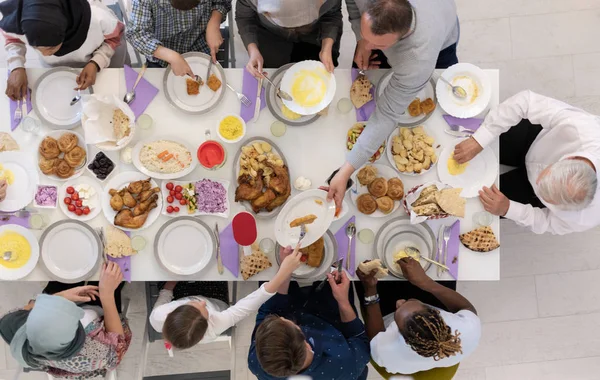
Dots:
(313, 151)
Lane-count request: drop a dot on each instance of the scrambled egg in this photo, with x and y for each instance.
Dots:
(400, 255)
(231, 128)
(289, 114)
(7, 175)
(308, 88)
(18, 245)
(454, 168)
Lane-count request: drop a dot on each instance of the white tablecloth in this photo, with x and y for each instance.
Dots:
(312, 151)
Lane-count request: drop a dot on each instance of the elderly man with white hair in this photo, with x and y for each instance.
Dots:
(555, 148)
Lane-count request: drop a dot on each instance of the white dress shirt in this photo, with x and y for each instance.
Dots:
(567, 132)
(220, 317)
(390, 351)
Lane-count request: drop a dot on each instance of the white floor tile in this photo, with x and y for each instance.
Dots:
(568, 293)
(241, 370)
(16, 294)
(587, 74)
(555, 34)
(506, 300)
(188, 361)
(482, 9)
(576, 369)
(588, 103)
(470, 374)
(4, 350)
(135, 292)
(485, 41)
(9, 375)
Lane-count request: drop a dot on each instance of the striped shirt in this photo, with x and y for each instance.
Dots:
(157, 22)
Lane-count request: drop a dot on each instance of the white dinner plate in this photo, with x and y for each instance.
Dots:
(330, 255)
(176, 88)
(263, 214)
(22, 191)
(120, 181)
(71, 251)
(290, 76)
(52, 97)
(405, 120)
(184, 245)
(303, 204)
(481, 171)
(390, 156)
(358, 189)
(81, 143)
(474, 81)
(7, 274)
(62, 194)
(135, 156)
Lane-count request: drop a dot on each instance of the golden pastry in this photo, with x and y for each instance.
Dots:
(47, 165)
(366, 204)
(395, 189)
(385, 204)
(67, 142)
(63, 170)
(49, 148)
(414, 108)
(367, 175)
(75, 157)
(379, 187)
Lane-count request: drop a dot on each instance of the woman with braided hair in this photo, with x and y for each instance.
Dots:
(409, 336)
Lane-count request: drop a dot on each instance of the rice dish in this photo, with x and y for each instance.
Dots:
(165, 156)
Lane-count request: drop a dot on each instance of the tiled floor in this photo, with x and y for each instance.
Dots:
(542, 320)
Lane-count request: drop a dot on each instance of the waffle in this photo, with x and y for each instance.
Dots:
(480, 240)
(253, 264)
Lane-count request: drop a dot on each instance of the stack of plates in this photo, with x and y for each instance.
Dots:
(330, 255)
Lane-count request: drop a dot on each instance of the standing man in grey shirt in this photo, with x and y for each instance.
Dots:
(413, 38)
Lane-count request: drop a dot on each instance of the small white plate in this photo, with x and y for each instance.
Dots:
(81, 143)
(62, 194)
(303, 204)
(330, 255)
(118, 182)
(22, 191)
(474, 81)
(135, 156)
(288, 80)
(176, 88)
(481, 171)
(358, 189)
(52, 97)
(390, 156)
(7, 274)
(183, 209)
(71, 251)
(184, 246)
(405, 120)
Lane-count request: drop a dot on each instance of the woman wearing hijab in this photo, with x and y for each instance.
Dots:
(54, 335)
(77, 33)
(277, 32)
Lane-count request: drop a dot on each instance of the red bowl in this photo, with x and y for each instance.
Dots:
(211, 155)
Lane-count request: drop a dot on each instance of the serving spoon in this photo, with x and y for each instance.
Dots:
(7, 255)
(412, 251)
(76, 98)
(458, 91)
(282, 94)
(350, 232)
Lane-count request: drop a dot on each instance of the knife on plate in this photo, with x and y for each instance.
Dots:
(440, 248)
(257, 104)
(219, 259)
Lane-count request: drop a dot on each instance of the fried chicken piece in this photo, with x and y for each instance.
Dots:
(147, 185)
(146, 194)
(138, 186)
(143, 206)
(249, 188)
(281, 198)
(125, 218)
(116, 202)
(280, 180)
(128, 199)
(264, 200)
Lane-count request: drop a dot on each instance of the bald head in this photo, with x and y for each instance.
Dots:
(389, 17)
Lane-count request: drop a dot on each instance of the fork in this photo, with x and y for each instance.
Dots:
(447, 231)
(18, 113)
(302, 232)
(103, 243)
(242, 98)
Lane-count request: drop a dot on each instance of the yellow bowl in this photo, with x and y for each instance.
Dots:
(237, 139)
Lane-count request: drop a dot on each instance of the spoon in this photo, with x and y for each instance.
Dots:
(282, 94)
(130, 96)
(412, 251)
(460, 128)
(76, 98)
(458, 91)
(350, 232)
(7, 255)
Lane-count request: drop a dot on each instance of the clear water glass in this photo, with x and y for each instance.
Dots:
(344, 105)
(145, 121)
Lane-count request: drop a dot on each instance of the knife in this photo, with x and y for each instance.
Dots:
(337, 265)
(456, 133)
(440, 241)
(210, 63)
(257, 104)
(219, 259)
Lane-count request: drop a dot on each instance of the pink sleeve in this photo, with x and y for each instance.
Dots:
(113, 39)
(118, 342)
(9, 39)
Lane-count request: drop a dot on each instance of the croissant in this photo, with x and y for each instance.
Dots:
(67, 142)
(366, 204)
(49, 148)
(395, 189)
(379, 187)
(385, 204)
(75, 157)
(367, 175)
(63, 170)
(47, 166)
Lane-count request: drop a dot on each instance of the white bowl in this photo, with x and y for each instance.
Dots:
(235, 140)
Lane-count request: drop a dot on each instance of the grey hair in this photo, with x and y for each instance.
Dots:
(569, 184)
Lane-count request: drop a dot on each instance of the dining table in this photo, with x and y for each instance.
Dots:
(313, 151)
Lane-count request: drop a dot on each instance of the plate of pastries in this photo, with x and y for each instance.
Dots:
(62, 155)
(317, 258)
(377, 191)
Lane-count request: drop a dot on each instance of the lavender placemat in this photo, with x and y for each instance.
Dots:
(364, 113)
(144, 92)
(23, 222)
(472, 123)
(230, 249)
(124, 262)
(342, 243)
(13, 106)
(453, 250)
(249, 88)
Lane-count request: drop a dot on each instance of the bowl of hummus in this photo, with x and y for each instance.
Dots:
(163, 158)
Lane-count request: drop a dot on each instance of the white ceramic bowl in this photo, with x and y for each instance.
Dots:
(235, 140)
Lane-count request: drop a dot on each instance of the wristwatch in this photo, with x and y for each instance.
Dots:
(371, 300)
